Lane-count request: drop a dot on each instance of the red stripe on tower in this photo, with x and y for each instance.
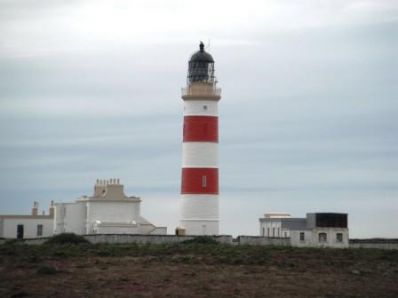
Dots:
(200, 129)
(199, 181)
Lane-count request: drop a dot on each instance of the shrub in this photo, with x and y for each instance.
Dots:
(67, 238)
(201, 240)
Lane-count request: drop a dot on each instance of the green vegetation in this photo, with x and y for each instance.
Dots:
(67, 238)
(203, 250)
(200, 267)
(201, 240)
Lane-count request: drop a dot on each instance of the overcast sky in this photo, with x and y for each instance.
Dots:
(308, 115)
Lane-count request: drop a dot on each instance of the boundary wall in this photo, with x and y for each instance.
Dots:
(374, 243)
(224, 239)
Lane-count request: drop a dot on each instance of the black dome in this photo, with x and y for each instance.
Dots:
(201, 55)
(201, 67)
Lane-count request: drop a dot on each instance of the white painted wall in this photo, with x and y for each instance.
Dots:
(201, 227)
(199, 155)
(199, 206)
(30, 227)
(200, 108)
(312, 238)
(275, 229)
(70, 218)
(111, 212)
(107, 217)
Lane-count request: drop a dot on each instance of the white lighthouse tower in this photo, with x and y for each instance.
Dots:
(199, 179)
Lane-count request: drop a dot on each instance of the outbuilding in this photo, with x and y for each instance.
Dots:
(315, 230)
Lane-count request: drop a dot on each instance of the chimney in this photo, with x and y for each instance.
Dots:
(35, 208)
(51, 209)
(100, 188)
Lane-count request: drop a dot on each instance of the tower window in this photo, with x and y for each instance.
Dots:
(204, 181)
(204, 107)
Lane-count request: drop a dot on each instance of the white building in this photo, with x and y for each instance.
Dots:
(108, 211)
(27, 226)
(316, 230)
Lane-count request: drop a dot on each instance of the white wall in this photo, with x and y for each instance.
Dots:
(107, 217)
(30, 227)
(312, 238)
(201, 227)
(274, 226)
(120, 229)
(201, 108)
(70, 218)
(112, 212)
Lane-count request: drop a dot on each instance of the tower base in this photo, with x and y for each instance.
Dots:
(199, 214)
(200, 227)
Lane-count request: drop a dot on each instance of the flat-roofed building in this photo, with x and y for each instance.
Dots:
(315, 230)
(34, 225)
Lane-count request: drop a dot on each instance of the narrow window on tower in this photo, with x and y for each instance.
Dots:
(204, 181)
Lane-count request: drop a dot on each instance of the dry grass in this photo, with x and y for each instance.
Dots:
(194, 270)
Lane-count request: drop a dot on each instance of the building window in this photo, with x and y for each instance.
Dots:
(39, 230)
(302, 236)
(285, 233)
(323, 237)
(20, 231)
(273, 232)
(263, 231)
(339, 237)
(268, 233)
(278, 232)
(204, 181)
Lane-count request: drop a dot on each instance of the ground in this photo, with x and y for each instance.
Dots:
(194, 270)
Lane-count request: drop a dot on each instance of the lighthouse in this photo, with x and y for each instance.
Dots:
(199, 177)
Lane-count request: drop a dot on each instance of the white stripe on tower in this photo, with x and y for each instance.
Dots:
(199, 184)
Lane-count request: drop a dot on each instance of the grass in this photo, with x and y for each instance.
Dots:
(198, 250)
(195, 268)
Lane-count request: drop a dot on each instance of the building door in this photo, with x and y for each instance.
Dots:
(19, 231)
